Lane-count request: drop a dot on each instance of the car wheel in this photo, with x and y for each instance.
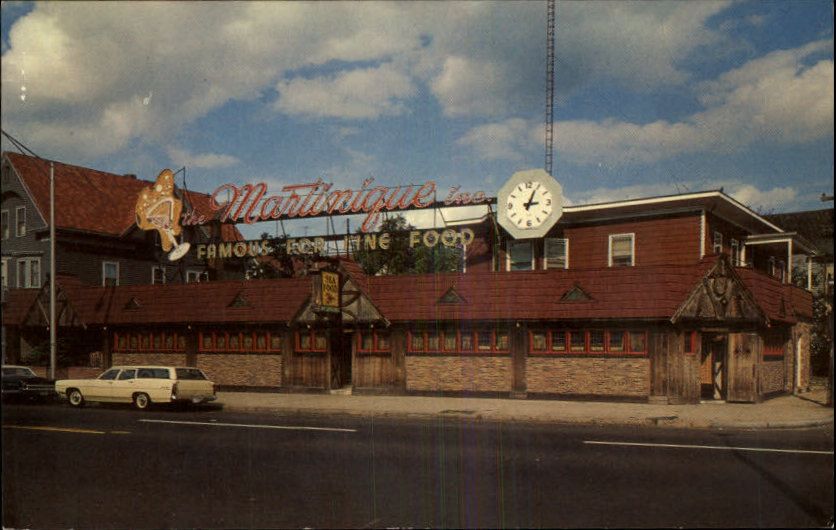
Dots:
(142, 401)
(75, 397)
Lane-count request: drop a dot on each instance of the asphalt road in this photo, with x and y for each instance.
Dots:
(112, 467)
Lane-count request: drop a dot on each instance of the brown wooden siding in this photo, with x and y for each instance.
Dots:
(669, 240)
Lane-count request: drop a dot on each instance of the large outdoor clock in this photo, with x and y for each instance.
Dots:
(529, 204)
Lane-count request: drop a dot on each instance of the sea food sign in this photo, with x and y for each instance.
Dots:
(251, 203)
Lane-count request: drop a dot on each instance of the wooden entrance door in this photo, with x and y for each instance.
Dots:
(743, 350)
(713, 366)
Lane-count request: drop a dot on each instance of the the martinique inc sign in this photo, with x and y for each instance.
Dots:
(158, 209)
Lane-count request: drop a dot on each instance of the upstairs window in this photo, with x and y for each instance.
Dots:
(556, 253)
(5, 272)
(29, 273)
(735, 252)
(622, 250)
(195, 276)
(110, 273)
(520, 256)
(717, 245)
(20, 218)
(157, 275)
(4, 224)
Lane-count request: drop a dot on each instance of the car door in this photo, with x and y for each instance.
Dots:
(99, 389)
(123, 387)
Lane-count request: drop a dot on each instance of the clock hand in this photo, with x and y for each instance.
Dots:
(530, 199)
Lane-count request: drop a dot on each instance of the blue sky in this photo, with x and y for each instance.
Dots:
(652, 97)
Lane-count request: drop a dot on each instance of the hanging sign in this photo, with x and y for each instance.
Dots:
(327, 292)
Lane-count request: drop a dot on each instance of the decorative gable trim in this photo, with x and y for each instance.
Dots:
(720, 296)
(451, 296)
(239, 301)
(575, 294)
(133, 303)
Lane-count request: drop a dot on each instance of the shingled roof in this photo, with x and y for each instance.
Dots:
(90, 200)
(623, 293)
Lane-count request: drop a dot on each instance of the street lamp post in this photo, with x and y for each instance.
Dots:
(53, 326)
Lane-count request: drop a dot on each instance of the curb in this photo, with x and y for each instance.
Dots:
(662, 422)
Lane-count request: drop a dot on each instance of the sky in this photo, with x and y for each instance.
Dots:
(651, 98)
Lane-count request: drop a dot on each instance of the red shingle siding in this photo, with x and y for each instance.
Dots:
(90, 200)
(669, 240)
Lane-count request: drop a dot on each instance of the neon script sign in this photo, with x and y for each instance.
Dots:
(251, 203)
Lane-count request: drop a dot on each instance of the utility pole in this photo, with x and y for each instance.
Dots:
(828, 295)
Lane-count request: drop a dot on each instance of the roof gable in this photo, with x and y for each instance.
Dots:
(451, 297)
(720, 296)
(575, 294)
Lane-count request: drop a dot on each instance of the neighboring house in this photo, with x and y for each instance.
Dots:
(97, 239)
(815, 226)
(667, 299)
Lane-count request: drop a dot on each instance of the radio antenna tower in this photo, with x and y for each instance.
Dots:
(550, 17)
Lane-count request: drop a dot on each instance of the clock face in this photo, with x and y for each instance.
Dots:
(529, 204)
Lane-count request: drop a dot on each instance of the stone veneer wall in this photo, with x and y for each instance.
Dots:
(161, 359)
(771, 376)
(242, 369)
(801, 331)
(458, 374)
(598, 376)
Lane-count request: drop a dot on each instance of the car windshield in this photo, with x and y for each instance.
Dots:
(19, 371)
(190, 373)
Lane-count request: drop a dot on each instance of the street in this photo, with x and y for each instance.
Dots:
(108, 467)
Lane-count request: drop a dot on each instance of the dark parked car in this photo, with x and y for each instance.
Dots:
(20, 382)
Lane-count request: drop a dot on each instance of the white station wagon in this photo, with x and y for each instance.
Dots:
(140, 385)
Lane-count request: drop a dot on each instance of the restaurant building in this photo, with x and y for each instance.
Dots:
(672, 299)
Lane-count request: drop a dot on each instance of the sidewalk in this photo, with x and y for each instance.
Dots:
(807, 410)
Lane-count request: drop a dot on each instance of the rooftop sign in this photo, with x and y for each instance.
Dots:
(252, 203)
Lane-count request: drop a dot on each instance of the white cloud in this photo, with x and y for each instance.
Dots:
(181, 157)
(466, 86)
(762, 200)
(506, 140)
(88, 64)
(776, 99)
(357, 94)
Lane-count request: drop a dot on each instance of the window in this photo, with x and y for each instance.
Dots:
(689, 339)
(773, 346)
(29, 273)
(157, 341)
(4, 224)
(5, 272)
(110, 273)
(372, 341)
(735, 252)
(622, 250)
(194, 276)
(127, 374)
(556, 253)
(520, 256)
(20, 221)
(110, 374)
(717, 246)
(245, 342)
(157, 275)
(311, 341)
(451, 340)
(593, 341)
